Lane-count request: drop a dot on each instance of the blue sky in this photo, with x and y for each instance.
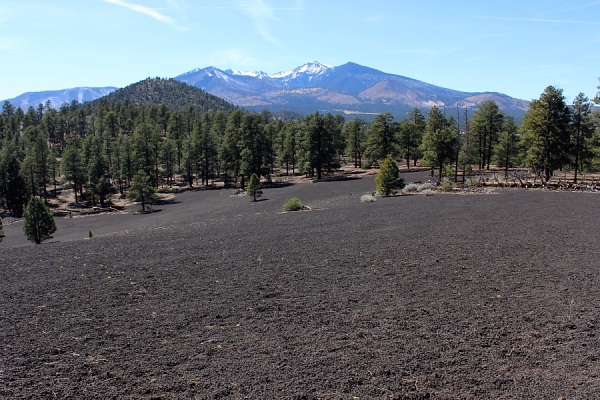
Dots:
(514, 47)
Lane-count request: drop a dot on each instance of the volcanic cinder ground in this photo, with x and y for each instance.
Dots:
(410, 297)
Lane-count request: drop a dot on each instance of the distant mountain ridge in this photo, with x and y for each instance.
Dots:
(59, 97)
(349, 88)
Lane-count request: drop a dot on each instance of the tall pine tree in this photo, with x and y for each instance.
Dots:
(546, 129)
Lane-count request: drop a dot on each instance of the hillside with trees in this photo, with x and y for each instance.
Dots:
(173, 94)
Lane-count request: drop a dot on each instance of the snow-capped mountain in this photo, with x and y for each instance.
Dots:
(303, 72)
(350, 88)
(301, 75)
(59, 97)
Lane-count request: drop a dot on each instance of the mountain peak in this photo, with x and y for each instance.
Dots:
(253, 74)
(310, 68)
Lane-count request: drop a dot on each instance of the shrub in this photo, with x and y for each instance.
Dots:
(293, 204)
(428, 192)
(447, 185)
(472, 182)
(411, 188)
(418, 187)
(426, 186)
(367, 198)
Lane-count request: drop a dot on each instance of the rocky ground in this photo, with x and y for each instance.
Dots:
(213, 296)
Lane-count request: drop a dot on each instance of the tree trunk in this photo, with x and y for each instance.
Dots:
(577, 145)
(75, 191)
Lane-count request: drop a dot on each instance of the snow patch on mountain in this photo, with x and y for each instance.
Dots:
(309, 69)
(252, 74)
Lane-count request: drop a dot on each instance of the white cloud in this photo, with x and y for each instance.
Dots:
(263, 15)
(150, 12)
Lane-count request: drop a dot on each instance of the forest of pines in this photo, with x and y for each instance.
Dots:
(168, 133)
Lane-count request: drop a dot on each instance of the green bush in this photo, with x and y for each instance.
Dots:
(293, 204)
(447, 185)
(448, 171)
(388, 179)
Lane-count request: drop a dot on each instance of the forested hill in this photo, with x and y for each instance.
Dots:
(171, 93)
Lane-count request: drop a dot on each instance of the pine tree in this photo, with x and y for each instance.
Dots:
(36, 164)
(255, 146)
(142, 190)
(546, 130)
(355, 134)
(507, 148)
(231, 147)
(382, 138)
(13, 189)
(254, 189)
(388, 179)
(72, 167)
(583, 129)
(439, 141)
(38, 222)
(411, 135)
(290, 146)
(486, 125)
(98, 185)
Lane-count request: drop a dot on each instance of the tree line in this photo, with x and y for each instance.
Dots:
(119, 147)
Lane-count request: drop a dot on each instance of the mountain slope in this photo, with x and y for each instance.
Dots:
(350, 89)
(59, 97)
(172, 93)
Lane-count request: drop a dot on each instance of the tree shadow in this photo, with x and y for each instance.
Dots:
(276, 185)
(337, 178)
(166, 201)
(148, 211)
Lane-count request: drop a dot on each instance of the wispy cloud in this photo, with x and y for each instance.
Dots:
(150, 12)
(543, 20)
(11, 43)
(263, 15)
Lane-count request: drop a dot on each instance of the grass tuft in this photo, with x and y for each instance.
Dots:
(367, 198)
